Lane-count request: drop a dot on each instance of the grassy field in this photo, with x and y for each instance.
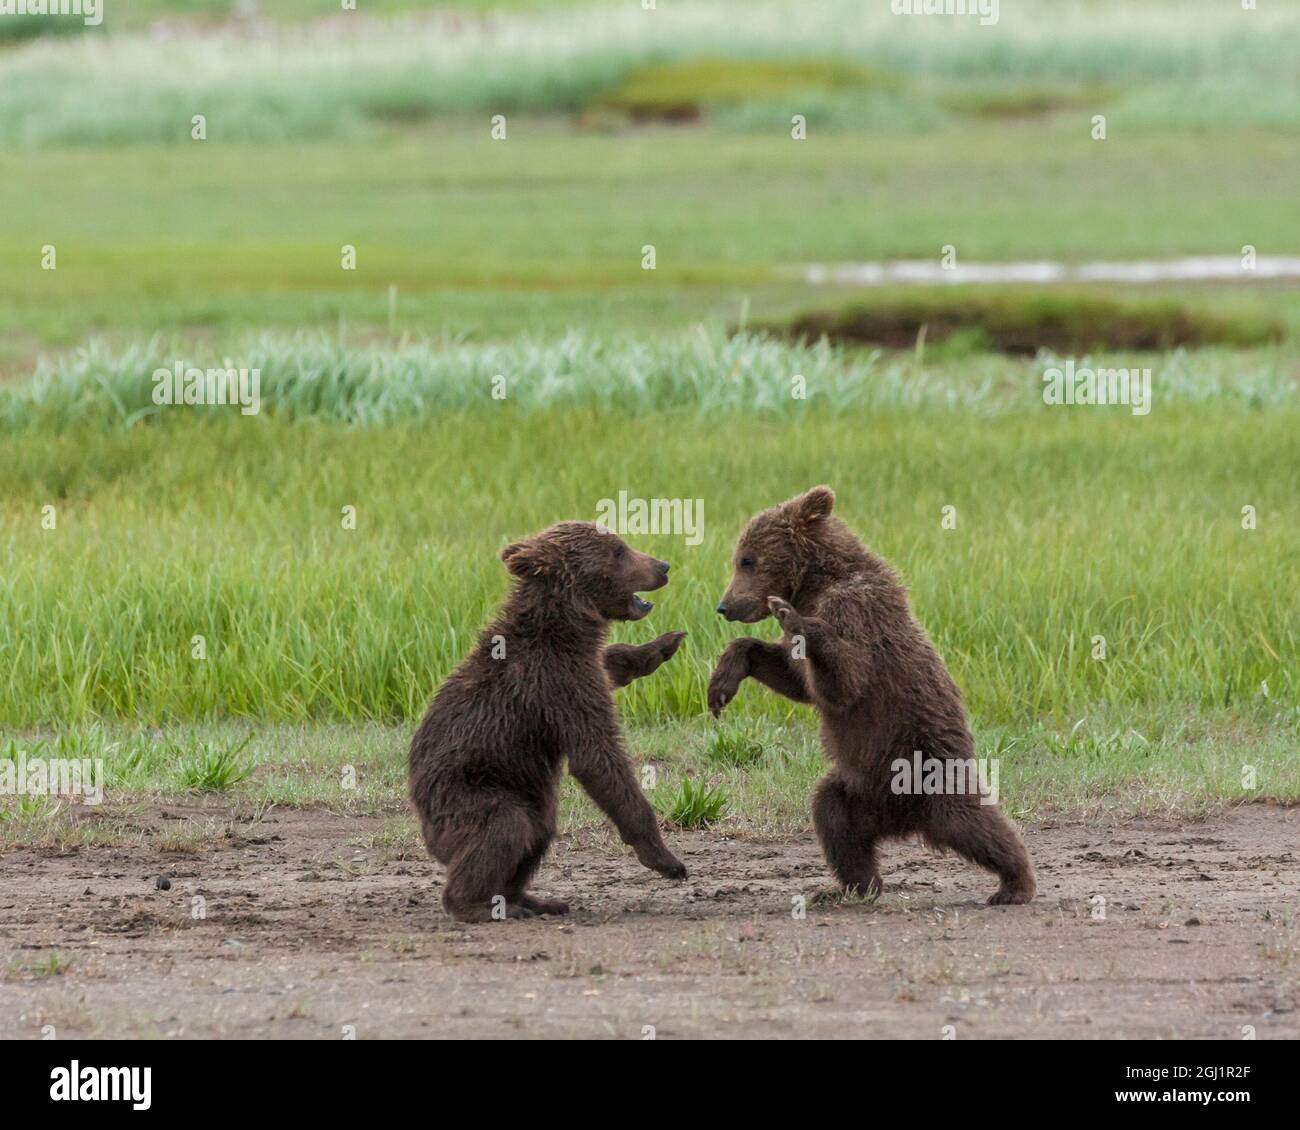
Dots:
(1118, 526)
(1072, 524)
(1147, 66)
(544, 233)
(523, 259)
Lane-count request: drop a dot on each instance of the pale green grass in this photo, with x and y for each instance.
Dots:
(203, 15)
(1188, 65)
(308, 377)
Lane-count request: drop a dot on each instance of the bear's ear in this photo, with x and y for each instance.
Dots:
(816, 504)
(525, 558)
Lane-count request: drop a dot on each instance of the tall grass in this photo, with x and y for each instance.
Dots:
(318, 377)
(1190, 64)
(1072, 523)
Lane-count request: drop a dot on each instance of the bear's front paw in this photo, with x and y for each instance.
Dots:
(790, 620)
(723, 686)
(667, 645)
(670, 867)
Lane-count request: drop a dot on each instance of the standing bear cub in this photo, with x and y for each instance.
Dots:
(851, 647)
(486, 760)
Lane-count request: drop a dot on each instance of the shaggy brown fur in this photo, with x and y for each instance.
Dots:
(851, 648)
(486, 761)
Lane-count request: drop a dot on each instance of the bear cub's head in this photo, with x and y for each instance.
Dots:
(776, 551)
(586, 564)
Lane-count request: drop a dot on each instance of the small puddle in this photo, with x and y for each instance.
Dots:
(1042, 272)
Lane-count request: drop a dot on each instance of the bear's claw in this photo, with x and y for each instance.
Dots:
(722, 689)
(789, 619)
(669, 642)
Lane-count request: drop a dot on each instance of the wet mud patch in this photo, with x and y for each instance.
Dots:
(1023, 323)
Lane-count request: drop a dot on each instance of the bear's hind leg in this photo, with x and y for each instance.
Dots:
(983, 835)
(517, 891)
(483, 875)
(846, 831)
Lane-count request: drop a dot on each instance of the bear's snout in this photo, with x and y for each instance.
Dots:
(656, 576)
(741, 609)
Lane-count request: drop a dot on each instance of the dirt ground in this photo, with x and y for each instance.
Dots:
(311, 926)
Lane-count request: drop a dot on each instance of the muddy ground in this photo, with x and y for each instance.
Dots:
(313, 925)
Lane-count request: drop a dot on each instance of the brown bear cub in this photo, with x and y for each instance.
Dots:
(486, 760)
(851, 647)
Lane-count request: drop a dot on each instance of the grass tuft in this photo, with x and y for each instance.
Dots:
(693, 805)
(734, 748)
(214, 768)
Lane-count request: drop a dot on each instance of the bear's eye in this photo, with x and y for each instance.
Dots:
(620, 552)
(746, 562)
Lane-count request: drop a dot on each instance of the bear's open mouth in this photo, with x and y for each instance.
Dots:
(639, 607)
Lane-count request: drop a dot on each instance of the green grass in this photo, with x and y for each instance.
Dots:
(51, 965)
(16, 28)
(692, 804)
(322, 645)
(1223, 67)
(1181, 764)
(1072, 522)
(543, 233)
(735, 747)
(214, 768)
(136, 15)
